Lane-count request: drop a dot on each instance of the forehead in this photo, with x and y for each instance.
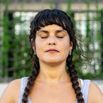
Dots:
(52, 27)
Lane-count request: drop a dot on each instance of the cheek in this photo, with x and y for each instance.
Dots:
(65, 44)
(65, 47)
(39, 46)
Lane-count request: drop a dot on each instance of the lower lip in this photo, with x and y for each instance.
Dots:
(52, 51)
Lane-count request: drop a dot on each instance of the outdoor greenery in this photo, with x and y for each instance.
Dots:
(16, 60)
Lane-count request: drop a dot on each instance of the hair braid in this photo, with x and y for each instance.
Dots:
(74, 80)
(31, 80)
(48, 17)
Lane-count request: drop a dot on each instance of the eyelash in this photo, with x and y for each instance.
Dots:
(60, 37)
(46, 37)
(43, 37)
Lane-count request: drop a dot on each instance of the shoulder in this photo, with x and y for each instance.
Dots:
(11, 92)
(95, 94)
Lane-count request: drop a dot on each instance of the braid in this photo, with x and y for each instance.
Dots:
(48, 17)
(74, 80)
(30, 81)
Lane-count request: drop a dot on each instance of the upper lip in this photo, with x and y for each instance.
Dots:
(52, 50)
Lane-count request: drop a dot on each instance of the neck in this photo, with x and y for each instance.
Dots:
(53, 74)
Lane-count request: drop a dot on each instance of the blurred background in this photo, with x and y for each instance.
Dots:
(15, 17)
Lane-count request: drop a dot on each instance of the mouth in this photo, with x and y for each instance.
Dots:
(52, 50)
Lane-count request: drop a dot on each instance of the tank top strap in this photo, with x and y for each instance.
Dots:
(22, 87)
(85, 89)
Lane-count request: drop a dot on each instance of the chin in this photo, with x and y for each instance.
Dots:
(53, 62)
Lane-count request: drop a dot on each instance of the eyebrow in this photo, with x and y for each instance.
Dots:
(57, 31)
(43, 31)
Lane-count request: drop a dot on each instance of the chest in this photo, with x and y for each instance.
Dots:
(53, 94)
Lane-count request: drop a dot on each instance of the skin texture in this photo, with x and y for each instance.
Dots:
(53, 84)
(52, 64)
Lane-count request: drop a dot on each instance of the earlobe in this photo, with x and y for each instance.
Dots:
(71, 43)
(71, 46)
(33, 45)
(34, 49)
(70, 52)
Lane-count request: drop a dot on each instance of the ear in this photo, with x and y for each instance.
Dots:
(71, 45)
(34, 48)
(33, 44)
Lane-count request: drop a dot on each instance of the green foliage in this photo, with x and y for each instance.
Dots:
(22, 63)
(93, 76)
(86, 52)
(20, 48)
(22, 60)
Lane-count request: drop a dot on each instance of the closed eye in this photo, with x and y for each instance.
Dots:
(44, 37)
(59, 37)
(56, 36)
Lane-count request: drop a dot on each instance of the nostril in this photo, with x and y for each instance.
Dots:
(51, 43)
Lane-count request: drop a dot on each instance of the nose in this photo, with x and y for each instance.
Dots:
(51, 41)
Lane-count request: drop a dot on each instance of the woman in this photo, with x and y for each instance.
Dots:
(54, 78)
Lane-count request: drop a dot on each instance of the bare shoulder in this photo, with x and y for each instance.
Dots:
(95, 94)
(10, 94)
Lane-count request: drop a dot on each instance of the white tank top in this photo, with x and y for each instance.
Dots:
(84, 89)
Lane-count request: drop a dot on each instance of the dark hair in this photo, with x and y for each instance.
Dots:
(44, 18)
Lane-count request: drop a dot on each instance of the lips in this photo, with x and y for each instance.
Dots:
(52, 50)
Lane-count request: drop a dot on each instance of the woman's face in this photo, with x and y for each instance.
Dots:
(52, 37)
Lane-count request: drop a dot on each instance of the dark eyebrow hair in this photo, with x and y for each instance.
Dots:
(57, 31)
(43, 31)
(60, 30)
